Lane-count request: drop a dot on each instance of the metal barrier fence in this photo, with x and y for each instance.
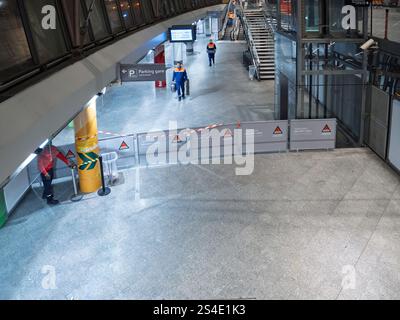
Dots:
(312, 134)
(213, 141)
(268, 136)
(124, 146)
(132, 150)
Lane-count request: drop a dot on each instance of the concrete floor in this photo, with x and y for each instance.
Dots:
(285, 232)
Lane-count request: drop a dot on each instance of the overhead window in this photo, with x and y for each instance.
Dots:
(137, 10)
(147, 10)
(14, 49)
(97, 19)
(113, 15)
(156, 7)
(126, 13)
(49, 42)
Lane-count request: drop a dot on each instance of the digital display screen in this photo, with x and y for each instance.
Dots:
(182, 34)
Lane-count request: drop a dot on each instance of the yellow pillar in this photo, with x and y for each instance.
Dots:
(87, 148)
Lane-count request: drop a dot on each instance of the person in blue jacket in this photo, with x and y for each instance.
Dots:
(180, 77)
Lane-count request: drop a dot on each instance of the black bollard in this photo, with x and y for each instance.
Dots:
(104, 191)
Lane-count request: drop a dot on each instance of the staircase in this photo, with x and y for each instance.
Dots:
(261, 39)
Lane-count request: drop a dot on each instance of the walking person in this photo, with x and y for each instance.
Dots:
(47, 160)
(211, 50)
(179, 78)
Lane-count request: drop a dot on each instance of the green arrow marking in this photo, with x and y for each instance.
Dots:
(89, 160)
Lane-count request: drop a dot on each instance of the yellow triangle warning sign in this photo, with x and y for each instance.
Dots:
(70, 155)
(278, 131)
(124, 146)
(326, 129)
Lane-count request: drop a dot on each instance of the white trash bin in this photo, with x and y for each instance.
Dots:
(110, 168)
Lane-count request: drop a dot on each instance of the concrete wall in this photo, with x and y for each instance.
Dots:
(33, 115)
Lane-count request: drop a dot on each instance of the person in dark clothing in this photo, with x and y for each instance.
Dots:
(211, 50)
(180, 77)
(47, 159)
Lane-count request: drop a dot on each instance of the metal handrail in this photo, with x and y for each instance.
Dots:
(269, 15)
(236, 30)
(223, 31)
(252, 46)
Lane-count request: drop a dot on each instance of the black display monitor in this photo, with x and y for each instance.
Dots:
(183, 33)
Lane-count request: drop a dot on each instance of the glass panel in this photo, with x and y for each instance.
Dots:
(287, 15)
(97, 20)
(165, 8)
(312, 19)
(285, 53)
(156, 8)
(126, 13)
(113, 15)
(14, 49)
(178, 6)
(49, 43)
(336, 17)
(147, 10)
(379, 15)
(69, 15)
(137, 12)
(87, 38)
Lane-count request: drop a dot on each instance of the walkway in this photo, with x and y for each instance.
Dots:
(222, 94)
(287, 231)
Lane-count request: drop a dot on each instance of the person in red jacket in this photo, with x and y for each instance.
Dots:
(47, 159)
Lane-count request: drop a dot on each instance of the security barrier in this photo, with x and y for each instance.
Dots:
(312, 134)
(197, 145)
(269, 136)
(124, 146)
(213, 141)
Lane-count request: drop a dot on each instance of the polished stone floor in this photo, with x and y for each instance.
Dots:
(297, 228)
(221, 94)
(313, 225)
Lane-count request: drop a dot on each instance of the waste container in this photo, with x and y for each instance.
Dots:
(252, 72)
(110, 168)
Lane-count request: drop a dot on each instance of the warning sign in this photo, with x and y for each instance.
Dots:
(278, 131)
(177, 139)
(326, 130)
(124, 146)
(228, 133)
(70, 155)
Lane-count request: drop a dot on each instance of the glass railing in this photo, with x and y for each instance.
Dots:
(33, 42)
